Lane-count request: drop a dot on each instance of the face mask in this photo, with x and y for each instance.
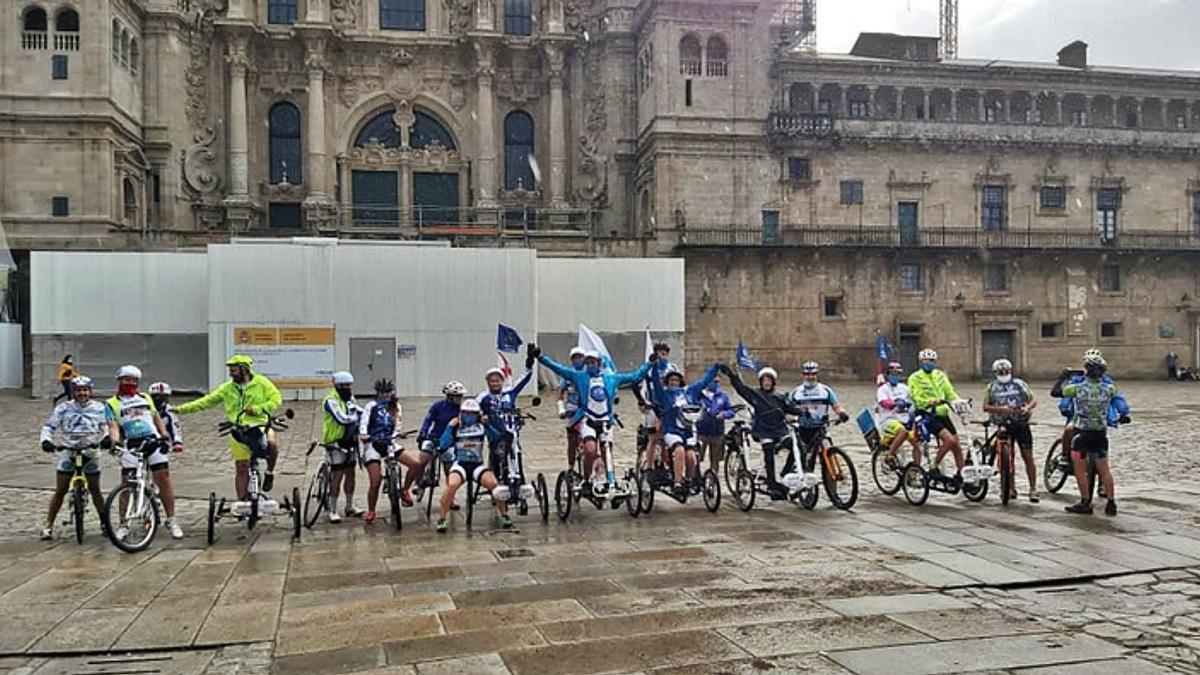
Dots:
(384, 399)
(344, 394)
(893, 379)
(928, 367)
(809, 383)
(127, 388)
(593, 371)
(1004, 379)
(469, 420)
(160, 402)
(577, 364)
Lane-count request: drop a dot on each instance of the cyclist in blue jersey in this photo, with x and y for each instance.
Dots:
(463, 439)
(678, 408)
(499, 406)
(430, 433)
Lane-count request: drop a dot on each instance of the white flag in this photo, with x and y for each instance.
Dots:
(590, 341)
(649, 346)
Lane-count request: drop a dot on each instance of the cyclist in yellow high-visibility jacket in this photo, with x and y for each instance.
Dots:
(249, 399)
(933, 395)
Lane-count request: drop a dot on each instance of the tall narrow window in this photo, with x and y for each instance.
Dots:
(518, 17)
(284, 141)
(717, 57)
(58, 66)
(994, 198)
(116, 41)
(995, 278)
(690, 56)
(1108, 202)
(1110, 279)
(687, 93)
(852, 192)
(402, 14)
(281, 12)
(135, 55)
(911, 278)
(518, 151)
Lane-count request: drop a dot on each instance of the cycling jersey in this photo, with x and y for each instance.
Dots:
(340, 415)
(672, 400)
(133, 414)
(814, 402)
(900, 400)
(769, 409)
(465, 441)
(929, 388)
(501, 408)
(438, 417)
(77, 425)
(171, 422)
(378, 423)
(596, 393)
(1012, 394)
(259, 393)
(1092, 400)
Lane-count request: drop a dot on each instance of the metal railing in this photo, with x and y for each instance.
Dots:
(66, 42)
(945, 238)
(421, 222)
(690, 67)
(800, 124)
(33, 39)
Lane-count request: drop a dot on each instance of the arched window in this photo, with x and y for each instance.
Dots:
(718, 57)
(380, 129)
(33, 28)
(116, 41)
(66, 21)
(284, 144)
(518, 17)
(690, 56)
(281, 12)
(129, 197)
(425, 129)
(518, 151)
(124, 47)
(402, 14)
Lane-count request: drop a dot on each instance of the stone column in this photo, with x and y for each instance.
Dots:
(485, 72)
(845, 109)
(316, 11)
(1112, 120)
(979, 102)
(1007, 107)
(314, 158)
(239, 144)
(954, 105)
(1058, 116)
(558, 127)
(925, 102)
(872, 109)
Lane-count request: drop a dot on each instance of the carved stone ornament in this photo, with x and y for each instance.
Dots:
(375, 154)
(344, 14)
(200, 163)
(196, 79)
(404, 118)
(462, 13)
(401, 57)
(519, 87)
(591, 183)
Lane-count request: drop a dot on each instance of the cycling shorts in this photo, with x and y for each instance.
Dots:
(91, 464)
(376, 450)
(587, 431)
(1090, 443)
(241, 451)
(158, 460)
(891, 430)
(342, 457)
(672, 440)
(935, 424)
(470, 470)
(1022, 436)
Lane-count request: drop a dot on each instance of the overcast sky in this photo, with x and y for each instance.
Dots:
(1140, 33)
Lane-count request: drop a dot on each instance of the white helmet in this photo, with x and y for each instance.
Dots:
(672, 369)
(809, 367)
(1092, 354)
(470, 406)
(454, 388)
(689, 415)
(768, 372)
(160, 389)
(1001, 364)
(577, 351)
(129, 371)
(927, 355)
(342, 377)
(591, 354)
(493, 371)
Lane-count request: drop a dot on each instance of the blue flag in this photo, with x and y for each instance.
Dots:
(507, 339)
(882, 347)
(743, 357)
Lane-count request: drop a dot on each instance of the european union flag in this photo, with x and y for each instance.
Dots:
(507, 339)
(743, 357)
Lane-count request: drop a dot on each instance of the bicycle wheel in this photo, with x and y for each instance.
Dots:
(807, 497)
(733, 459)
(543, 497)
(78, 494)
(472, 494)
(1006, 479)
(252, 519)
(886, 478)
(633, 502)
(840, 478)
(645, 494)
(915, 484)
(563, 499)
(393, 490)
(975, 492)
(712, 491)
(315, 498)
(430, 481)
(295, 513)
(139, 517)
(212, 517)
(1054, 476)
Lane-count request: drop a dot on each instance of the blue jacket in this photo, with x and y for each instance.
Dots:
(1116, 409)
(717, 409)
(500, 408)
(668, 399)
(437, 418)
(580, 380)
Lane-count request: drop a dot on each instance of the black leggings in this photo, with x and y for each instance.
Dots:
(771, 446)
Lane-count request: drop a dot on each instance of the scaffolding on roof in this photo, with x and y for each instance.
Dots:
(797, 20)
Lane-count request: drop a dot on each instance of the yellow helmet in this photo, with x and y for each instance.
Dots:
(240, 360)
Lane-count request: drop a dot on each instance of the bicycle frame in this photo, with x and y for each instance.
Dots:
(801, 478)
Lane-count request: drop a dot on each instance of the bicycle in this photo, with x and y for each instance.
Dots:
(886, 471)
(317, 496)
(135, 502)
(392, 483)
(737, 438)
(919, 478)
(999, 445)
(79, 488)
(254, 507)
(511, 487)
(837, 470)
(661, 477)
(1059, 467)
(571, 485)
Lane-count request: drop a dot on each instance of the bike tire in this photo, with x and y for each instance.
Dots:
(729, 467)
(563, 499)
(886, 478)
(808, 497)
(645, 494)
(393, 480)
(295, 513)
(977, 492)
(744, 492)
(429, 482)
(149, 526)
(1053, 476)
(711, 488)
(633, 501)
(212, 517)
(78, 494)
(316, 497)
(472, 493)
(1006, 479)
(543, 497)
(835, 456)
(915, 483)
(252, 519)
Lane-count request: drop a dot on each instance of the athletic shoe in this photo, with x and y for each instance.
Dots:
(1084, 508)
(354, 512)
(47, 533)
(1012, 493)
(455, 506)
(406, 498)
(441, 525)
(121, 533)
(369, 518)
(1033, 497)
(334, 517)
(506, 522)
(173, 526)
(1110, 509)
(268, 482)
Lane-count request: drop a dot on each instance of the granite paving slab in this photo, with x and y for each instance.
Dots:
(958, 656)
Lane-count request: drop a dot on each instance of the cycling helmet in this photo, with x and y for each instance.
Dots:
(927, 355)
(240, 360)
(591, 354)
(672, 369)
(454, 388)
(493, 371)
(384, 384)
(895, 367)
(81, 381)
(342, 377)
(577, 351)
(1000, 365)
(689, 415)
(160, 389)
(129, 371)
(810, 367)
(1092, 354)
(470, 406)
(768, 372)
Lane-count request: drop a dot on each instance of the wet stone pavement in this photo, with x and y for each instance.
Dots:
(950, 587)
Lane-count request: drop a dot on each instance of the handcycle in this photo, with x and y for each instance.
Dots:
(78, 490)
(572, 485)
(885, 469)
(511, 486)
(918, 478)
(661, 476)
(255, 506)
(998, 447)
(132, 508)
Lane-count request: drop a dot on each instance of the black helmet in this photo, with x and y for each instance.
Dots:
(661, 346)
(384, 384)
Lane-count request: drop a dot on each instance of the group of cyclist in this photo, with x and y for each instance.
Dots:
(687, 421)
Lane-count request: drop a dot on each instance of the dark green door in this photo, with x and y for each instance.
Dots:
(376, 198)
(770, 228)
(435, 198)
(906, 216)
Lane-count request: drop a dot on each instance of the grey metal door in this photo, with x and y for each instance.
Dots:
(370, 360)
(770, 227)
(997, 344)
(909, 346)
(435, 198)
(906, 217)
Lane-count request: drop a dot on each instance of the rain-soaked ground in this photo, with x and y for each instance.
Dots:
(886, 588)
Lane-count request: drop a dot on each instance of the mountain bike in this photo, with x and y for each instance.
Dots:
(998, 447)
(317, 495)
(79, 488)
